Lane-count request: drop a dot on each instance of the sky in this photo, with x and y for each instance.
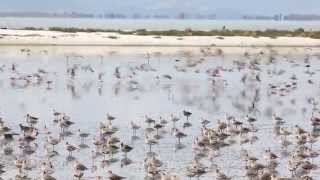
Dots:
(169, 7)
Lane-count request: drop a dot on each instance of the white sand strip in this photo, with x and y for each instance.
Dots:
(27, 37)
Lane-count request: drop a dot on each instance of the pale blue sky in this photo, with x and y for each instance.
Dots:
(166, 6)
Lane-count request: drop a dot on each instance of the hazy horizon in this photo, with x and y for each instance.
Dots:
(224, 8)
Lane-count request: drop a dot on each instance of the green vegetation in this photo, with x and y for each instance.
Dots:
(33, 29)
(221, 33)
(189, 32)
(113, 37)
(74, 30)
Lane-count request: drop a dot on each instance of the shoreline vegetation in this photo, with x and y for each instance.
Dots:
(271, 33)
(57, 36)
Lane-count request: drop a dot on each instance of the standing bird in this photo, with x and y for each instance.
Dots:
(179, 135)
(113, 176)
(125, 149)
(150, 142)
(78, 174)
(187, 114)
(80, 167)
(134, 128)
(82, 136)
(70, 148)
(110, 119)
(117, 73)
(157, 127)
(53, 142)
(46, 176)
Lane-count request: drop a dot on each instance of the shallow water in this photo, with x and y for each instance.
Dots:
(157, 24)
(87, 101)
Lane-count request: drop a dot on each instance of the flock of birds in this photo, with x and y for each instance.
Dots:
(298, 155)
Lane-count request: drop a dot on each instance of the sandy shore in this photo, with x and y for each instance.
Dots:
(84, 44)
(27, 37)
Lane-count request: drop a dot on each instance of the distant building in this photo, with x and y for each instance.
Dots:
(276, 17)
(181, 16)
(136, 16)
(212, 16)
(43, 14)
(302, 17)
(204, 16)
(157, 16)
(114, 16)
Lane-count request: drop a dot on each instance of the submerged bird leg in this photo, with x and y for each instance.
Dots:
(19, 171)
(111, 154)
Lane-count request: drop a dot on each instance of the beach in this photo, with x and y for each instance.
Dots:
(159, 90)
(162, 97)
(52, 38)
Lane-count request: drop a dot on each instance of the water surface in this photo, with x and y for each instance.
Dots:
(157, 24)
(87, 100)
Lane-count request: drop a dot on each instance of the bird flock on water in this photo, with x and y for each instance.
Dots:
(212, 138)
